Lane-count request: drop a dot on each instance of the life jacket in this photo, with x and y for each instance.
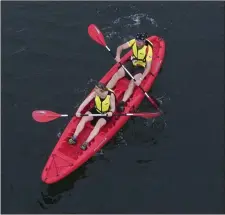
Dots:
(139, 55)
(103, 105)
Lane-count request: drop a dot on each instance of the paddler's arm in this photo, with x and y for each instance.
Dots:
(86, 101)
(112, 105)
(148, 64)
(147, 69)
(121, 48)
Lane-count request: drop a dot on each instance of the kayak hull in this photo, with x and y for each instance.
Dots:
(66, 158)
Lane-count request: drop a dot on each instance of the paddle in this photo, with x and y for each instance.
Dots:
(47, 116)
(97, 36)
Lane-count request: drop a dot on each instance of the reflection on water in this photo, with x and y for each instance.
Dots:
(53, 192)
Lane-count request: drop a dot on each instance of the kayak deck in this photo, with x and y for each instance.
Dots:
(66, 158)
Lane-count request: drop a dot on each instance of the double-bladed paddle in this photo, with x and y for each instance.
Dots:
(47, 115)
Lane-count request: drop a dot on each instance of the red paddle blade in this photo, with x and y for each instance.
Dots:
(147, 115)
(153, 101)
(96, 34)
(44, 115)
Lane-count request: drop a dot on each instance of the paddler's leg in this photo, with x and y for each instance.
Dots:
(101, 122)
(128, 92)
(116, 77)
(80, 127)
(120, 74)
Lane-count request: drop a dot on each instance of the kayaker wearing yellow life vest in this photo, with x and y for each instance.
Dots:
(139, 65)
(104, 103)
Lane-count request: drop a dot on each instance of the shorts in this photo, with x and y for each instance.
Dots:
(133, 70)
(96, 118)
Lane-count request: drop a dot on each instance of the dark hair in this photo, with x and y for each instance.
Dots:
(101, 86)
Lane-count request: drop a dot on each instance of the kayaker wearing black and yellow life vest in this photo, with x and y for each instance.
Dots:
(139, 65)
(104, 103)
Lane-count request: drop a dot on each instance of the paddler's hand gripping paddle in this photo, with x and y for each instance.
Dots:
(97, 36)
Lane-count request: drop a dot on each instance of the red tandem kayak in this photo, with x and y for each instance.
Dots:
(66, 158)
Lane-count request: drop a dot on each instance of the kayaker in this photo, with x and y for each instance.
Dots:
(104, 103)
(139, 65)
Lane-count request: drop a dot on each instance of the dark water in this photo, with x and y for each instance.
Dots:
(49, 62)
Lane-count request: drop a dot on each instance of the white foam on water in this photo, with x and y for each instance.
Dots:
(112, 34)
(123, 25)
(136, 20)
(116, 21)
(19, 50)
(105, 28)
(152, 21)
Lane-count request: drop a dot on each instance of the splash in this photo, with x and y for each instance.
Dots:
(112, 34)
(116, 21)
(136, 18)
(124, 25)
(152, 21)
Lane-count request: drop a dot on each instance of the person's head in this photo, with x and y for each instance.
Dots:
(100, 88)
(140, 39)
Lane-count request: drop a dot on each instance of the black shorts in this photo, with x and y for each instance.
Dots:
(133, 70)
(96, 118)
